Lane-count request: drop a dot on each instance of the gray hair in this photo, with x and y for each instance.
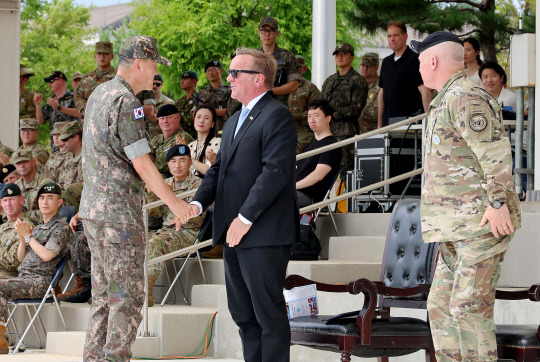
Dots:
(262, 63)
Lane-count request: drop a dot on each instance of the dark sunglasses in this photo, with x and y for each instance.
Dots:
(234, 72)
(54, 80)
(158, 84)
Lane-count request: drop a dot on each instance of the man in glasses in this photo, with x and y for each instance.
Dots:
(28, 131)
(60, 107)
(27, 107)
(287, 77)
(187, 103)
(160, 100)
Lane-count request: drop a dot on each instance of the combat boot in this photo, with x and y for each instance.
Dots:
(151, 282)
(79, 285)
(4, 348)
(215, 253)
(83, 295)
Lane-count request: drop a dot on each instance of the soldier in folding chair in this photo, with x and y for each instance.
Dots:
(40, 249)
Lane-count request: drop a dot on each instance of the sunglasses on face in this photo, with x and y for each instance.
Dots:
(234, 72)
(158, 84)
(54, 80)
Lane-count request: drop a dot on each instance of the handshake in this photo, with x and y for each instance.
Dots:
(183, 212)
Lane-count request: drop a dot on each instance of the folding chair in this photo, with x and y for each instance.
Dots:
(48, 298)
(326, 197)
(206, 223)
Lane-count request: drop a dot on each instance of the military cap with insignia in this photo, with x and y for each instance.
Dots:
(344, 48)
(213, 63)
(104, 47)
(370, 59)
(167, 110)
(10, 190)
(437, 37)
(177, 150)
(28, 123)
(300, 60)
(50, 188)
(142, 47)
(54, 75)
(57, 128)
(5, 171)
(69, 130)
(77, 75)
(189, 74)
(20, 155)
(270, 21)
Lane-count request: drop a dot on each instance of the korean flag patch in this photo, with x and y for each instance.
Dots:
(138, 113)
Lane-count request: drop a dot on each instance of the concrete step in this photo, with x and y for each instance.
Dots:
(356, 248)
(206, 295)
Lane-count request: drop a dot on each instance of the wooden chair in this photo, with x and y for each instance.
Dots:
(407, 268)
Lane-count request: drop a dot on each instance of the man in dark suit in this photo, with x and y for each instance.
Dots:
(253, 186)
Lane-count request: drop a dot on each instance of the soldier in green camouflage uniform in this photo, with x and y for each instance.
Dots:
(160, 145)
(368, 119)
(168, 239)
(469, 203)
(27, 108)
(188, 102)
(48, 240)
(28, 131)
(103, 73)
(159, 101)
(115, 150)
(306, 93)
(346, 91)
(71, 173)
(12, 203)
(56, 162)
(5, 154)
(287, 76)
(217, 94)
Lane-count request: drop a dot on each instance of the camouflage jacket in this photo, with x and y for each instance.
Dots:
(71, 172)
(113, 191)
(287, 71)
(468, 163)
(56, 163)
(38, 152)
(53, 115)
(306, 93)
(87, 85)
(55, 235)
(184, 108)
(146, 97)
(5, 150)
(27, 107)
(160, 146)
(368, 119)
(347, 94)
(9, 242)
(217, 98)
(29, 191)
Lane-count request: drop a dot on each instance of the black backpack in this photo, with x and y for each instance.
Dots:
(308, 247)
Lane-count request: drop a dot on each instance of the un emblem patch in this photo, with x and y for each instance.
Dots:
(478, 123)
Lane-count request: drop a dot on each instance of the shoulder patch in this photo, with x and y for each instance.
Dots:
(478, 123)
(138, 112)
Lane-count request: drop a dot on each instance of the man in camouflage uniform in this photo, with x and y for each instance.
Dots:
(5, 154)
(469, 203)
(30, 182)
(27, 108)
(71, 173)
(217, 94)
(9, 174)
(188, 102)
(28, 131)
(346, 91)
(169, 122)
(103, 73)
(60, 108)
(368, 119)
(39, 251)
(75, 80)
(168, 239)
(116, 165)
(306, 93)
(159, 100)
(57, 160)
(287, 76)
(12, 202)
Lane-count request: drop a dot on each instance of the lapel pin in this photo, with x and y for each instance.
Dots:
(251, 117)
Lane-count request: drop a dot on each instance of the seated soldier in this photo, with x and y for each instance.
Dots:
(315, 174)
(5, 154)
(40, 249)
(169, 122)
(56, 162)
(12, 202)
(28, 131)
(9, 174)
(30, 181)
(167, 239)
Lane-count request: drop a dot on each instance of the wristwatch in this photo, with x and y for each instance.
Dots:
(27, 239)
(496, 204)
(59, 107)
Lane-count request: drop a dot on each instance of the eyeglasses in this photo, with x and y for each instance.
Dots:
(54, 80)
(158, 84)
(234, 72)
(267, 31)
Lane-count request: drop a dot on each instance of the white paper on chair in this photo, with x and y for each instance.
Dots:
(301, 301)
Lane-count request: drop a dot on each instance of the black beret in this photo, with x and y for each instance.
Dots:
(50, 188)
(167, 110)
(5, 171)
(213, 63)
(178, 150)
(10, 190)
(437, 37)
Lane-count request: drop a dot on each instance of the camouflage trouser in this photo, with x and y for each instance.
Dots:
(80, 257)
(347, 157)
(19, 288)
(117, 290)
(460, 304)
(164, 242)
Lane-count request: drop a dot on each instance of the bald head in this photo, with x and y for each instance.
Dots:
(439, 63)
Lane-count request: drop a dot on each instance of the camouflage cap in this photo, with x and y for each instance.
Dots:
(20, 155)
(370, 59)
(10, 190)
(72, 194)
(57, 128)
(177, 150)
(104, 47)
(300, 60)
(24, 71)
(142, 47)
(77, 75)
(213, 63)
(267, 20)
(344, 48)
(5, 171)
(189, 74)
(50, 188)
(28, 123)
(69, 130)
